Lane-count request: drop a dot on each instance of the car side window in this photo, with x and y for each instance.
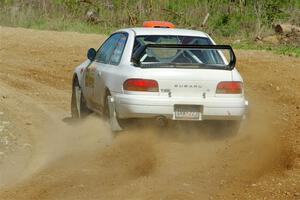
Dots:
(106, 50)
(117, 53)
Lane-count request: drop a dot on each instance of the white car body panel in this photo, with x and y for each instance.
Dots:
(176, 86)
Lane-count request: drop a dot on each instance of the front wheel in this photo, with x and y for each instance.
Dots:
(78, 103)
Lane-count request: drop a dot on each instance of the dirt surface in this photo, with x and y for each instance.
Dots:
(43, 157)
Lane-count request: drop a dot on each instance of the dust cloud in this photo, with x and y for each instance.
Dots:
(183, 161)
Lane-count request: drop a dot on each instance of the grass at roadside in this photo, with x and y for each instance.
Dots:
(227, 22)
(82, 27)
(56, 24)
(279, 49)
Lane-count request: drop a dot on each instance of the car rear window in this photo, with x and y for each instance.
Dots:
(177, 55)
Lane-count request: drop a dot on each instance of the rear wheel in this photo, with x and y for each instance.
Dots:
(78, 103)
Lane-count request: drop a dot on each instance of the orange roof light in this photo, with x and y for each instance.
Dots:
(158, 24)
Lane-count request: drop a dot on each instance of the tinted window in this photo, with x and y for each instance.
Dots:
(167, 39)
(117, 53)
(163, 55)
(106, 50)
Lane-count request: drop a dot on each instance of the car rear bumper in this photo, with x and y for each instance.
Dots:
(213, 108)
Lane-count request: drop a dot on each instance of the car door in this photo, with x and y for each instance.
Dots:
(102, 57)
(88, 82)
(108, 68)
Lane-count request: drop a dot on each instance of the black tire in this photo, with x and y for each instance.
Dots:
(78, 109)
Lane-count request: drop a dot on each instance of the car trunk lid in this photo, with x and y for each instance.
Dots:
(188, 82)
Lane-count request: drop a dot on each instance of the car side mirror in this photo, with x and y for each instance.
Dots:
(91, 54)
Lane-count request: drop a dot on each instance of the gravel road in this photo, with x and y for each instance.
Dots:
(44, 156)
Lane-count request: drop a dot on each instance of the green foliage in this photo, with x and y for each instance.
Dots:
(273, 9)
(228, 18)
(281, 49)
(298, 4)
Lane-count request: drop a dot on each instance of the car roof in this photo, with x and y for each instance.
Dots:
(165, 31)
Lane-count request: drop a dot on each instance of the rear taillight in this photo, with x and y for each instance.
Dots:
(142, 85)
(230, 87)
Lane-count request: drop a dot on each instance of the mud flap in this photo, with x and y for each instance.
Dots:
(247, 113)
(114, 124)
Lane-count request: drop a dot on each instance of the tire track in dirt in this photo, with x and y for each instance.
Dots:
(82, 161)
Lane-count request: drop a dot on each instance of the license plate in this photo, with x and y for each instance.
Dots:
(187, 112)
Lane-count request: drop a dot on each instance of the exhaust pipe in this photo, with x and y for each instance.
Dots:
(161, 121)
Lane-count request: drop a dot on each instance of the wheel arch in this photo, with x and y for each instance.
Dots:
(75, 78)
(106, 94)
(78, 78)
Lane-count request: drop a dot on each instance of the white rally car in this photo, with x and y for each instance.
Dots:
(161, 72)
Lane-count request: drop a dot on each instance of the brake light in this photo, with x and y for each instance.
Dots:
(142, 85)
(230, 87)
